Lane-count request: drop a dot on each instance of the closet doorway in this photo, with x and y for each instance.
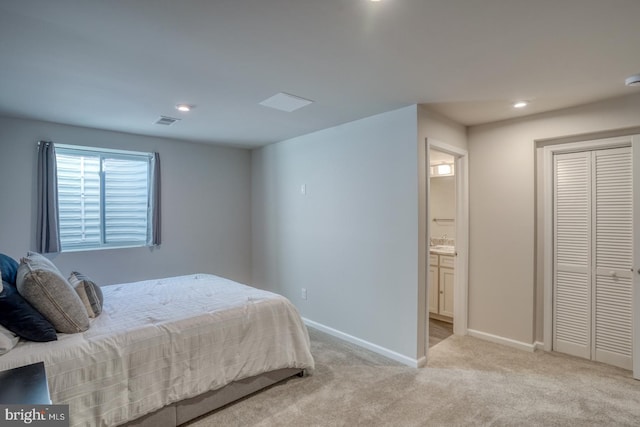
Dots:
(591, 250)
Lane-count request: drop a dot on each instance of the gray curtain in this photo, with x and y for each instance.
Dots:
(47, 230)
(155, 200)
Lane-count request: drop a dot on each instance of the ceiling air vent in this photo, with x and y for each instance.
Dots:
(166, 121)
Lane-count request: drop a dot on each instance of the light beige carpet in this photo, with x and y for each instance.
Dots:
(467, 382)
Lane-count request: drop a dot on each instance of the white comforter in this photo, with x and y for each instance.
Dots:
(161, 341)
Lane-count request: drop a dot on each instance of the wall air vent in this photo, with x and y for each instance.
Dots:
(166, 121)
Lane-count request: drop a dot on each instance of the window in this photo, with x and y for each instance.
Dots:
(104, 198)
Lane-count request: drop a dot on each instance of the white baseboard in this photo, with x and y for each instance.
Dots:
(538, 345)
(501, 340)
(414, 363)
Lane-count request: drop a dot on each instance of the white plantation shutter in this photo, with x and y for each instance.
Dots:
(572, 229)
(126, 199)
(78, 200)
(103, 198)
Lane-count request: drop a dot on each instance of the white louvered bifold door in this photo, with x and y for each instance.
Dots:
(572, 254)
(593, 255)
(613, 269)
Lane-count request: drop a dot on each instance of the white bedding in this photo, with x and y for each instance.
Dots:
(161, 341)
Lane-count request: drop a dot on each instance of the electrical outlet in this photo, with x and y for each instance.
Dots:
(303, 189)
(304, 293)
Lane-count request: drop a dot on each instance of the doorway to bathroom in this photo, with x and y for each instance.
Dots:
(447, 241)
(442, 239)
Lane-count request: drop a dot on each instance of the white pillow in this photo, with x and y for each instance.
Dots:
(8, 340)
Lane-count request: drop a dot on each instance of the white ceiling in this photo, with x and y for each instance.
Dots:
(120, 64)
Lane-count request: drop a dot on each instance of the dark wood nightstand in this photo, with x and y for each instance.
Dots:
(25, 385)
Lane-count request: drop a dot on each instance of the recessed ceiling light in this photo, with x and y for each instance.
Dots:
(633, 80)
(520, 104)
(184, 107)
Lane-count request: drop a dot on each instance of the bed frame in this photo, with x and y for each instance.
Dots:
(189, 409)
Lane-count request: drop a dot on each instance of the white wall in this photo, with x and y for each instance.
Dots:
(505, 296)
(206, 199)
(352, 240)
(434, 125)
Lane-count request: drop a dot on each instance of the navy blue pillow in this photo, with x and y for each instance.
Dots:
(9, 269)
(18, 316)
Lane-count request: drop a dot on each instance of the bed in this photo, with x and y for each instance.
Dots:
(166, 351)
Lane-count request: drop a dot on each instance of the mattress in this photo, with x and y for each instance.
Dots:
(161, 341)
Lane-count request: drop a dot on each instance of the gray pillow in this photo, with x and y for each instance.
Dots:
(90, 294)
(42, 285)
